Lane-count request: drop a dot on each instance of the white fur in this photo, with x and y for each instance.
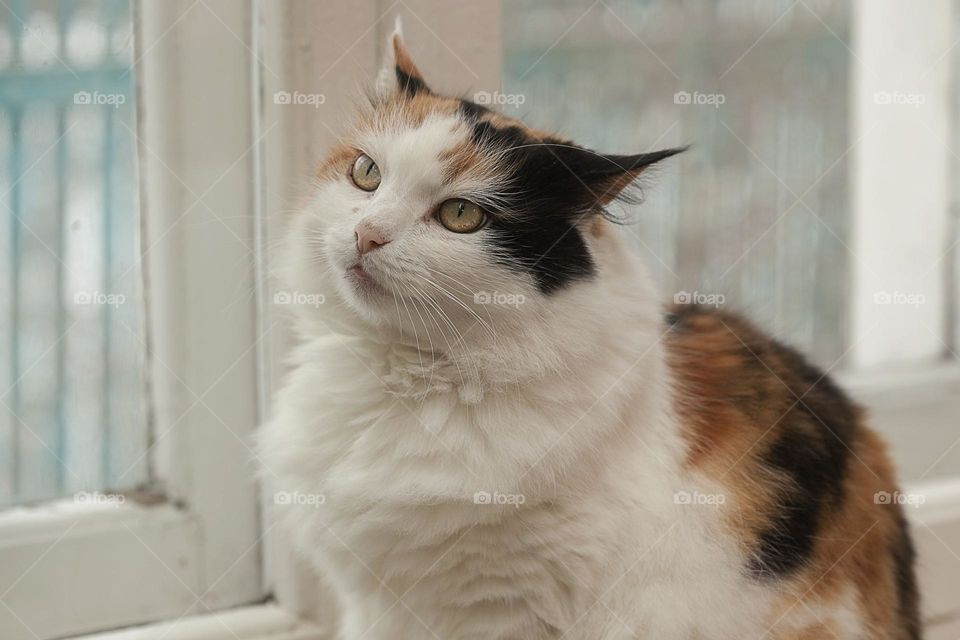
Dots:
(563, 402)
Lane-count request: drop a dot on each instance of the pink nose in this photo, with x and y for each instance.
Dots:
(369, 238)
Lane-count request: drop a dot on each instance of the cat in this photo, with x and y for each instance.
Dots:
(492, 428)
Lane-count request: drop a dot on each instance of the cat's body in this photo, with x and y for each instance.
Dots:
(582, 466)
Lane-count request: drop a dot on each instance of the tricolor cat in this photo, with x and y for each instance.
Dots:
(504, 435)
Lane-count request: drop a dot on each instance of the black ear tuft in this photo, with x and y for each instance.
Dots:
(606, 176)
(410, 81)
(410, 85)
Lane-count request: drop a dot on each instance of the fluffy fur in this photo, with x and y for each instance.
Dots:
(568, 461)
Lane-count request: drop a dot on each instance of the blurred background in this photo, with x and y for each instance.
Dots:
(72, 412)
(611, 83)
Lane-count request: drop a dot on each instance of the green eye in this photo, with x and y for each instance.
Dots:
(461, 216)
(366, 173)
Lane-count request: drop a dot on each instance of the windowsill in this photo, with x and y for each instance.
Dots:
(915, 409)
(261, 622)
(56, 516)
(62, 549)
(934, 525)
(64, 528)
(874, 382)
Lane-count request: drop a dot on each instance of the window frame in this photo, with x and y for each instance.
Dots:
(926, 384)
(192, 543)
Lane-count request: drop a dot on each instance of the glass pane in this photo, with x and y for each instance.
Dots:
(759, 89)
(71, 339)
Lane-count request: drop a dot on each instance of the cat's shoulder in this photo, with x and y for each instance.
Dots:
(721, 357)
(785, 440)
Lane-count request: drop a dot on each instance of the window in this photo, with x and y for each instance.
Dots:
(722, 223)
(147, 402)
(72, 338)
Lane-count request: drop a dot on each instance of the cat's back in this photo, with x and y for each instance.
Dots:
(811, 489)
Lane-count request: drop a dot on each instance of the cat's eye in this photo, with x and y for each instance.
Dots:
(461, 216)
(365, 173)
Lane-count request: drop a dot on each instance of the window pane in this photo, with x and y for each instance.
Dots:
(71, 337)
(759, 89)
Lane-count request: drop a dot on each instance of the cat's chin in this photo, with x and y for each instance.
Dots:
(364, 295)
(366, 286)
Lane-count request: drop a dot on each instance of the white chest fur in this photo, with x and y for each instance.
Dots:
(535, 512)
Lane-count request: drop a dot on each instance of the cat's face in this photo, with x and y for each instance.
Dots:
(439, 214)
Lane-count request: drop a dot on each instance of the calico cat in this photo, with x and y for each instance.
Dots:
(492, 429)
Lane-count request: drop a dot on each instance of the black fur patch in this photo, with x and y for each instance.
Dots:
(537, 231)
(410, 85)
(812, 453)
(908, 599)
(471, 111)
(552, 187)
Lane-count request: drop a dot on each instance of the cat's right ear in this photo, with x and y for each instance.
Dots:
(399, 76)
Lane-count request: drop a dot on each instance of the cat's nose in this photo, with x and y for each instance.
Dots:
(369, 238)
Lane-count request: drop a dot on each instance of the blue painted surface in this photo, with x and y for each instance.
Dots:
(72, 343)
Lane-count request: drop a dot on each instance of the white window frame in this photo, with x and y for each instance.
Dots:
(67, 569)
(206, 539)
(904, 367)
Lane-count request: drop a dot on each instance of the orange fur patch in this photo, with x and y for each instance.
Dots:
(739, 392)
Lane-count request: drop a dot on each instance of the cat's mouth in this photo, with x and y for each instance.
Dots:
(362, 280)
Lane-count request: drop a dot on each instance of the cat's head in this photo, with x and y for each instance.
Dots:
(440, 221)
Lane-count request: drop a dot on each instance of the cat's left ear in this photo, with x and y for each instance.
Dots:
(398, 75)
(607, 175)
